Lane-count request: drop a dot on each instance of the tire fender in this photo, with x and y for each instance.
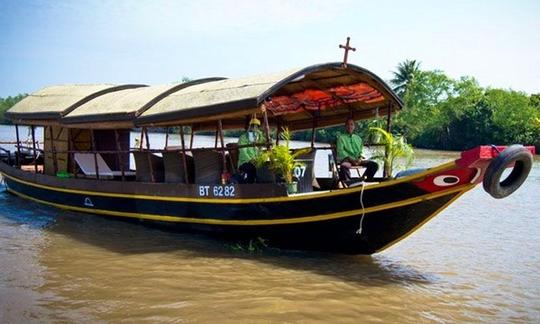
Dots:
(516, 155)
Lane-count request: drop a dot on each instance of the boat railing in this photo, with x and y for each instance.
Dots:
(8, 152)
(157, 169)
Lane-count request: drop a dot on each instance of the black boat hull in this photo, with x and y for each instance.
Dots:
(327, 221)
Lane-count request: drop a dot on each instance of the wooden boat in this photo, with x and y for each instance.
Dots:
(87, 152)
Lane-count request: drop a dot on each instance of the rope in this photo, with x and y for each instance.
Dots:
(359, 231)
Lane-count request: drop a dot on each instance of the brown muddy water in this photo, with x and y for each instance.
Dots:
(478, 261)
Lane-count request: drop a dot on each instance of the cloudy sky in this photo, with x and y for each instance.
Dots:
(58, 42)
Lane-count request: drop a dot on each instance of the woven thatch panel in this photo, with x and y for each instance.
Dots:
(217, 93)
(125, 104)
(55, 100)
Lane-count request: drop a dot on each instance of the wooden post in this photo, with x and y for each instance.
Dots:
(71, 152)
(119, 155)
(149, 157)
(389, 118)
(191, 138)
(216, 138)
(224, 159)
(18, 157)
(266, 129)
(166, 136)
(388, 129)
(141, 141)
(278, 130)
(184, 159)
(313, 130)
(93, 139)
(147, 138)
(34, 148)
(53, 150)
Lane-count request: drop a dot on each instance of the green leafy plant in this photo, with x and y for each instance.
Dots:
(257, 245)
(396, 147)
(279, 158)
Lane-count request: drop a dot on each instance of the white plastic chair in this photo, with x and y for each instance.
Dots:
(87, 164)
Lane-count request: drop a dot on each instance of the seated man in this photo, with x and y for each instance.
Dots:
(246, 155)
(349, 153)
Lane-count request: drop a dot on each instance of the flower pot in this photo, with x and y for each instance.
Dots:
(292, 187)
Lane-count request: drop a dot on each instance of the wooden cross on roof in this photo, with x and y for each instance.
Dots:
(346, 47)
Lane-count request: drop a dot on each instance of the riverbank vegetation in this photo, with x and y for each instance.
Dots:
(5, 104)
(456, 114)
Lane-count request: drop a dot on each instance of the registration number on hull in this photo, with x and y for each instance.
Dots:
(217, 191)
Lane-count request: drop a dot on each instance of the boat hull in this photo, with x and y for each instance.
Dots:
(326, 221)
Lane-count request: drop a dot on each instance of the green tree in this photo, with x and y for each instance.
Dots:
(443, 113)
(422, 104)
(6, 103)
(405, 74)
(535, 101)
(514, 119)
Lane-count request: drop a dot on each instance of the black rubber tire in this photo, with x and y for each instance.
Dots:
(523, 160)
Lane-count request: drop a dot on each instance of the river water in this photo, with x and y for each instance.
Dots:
(479, 260)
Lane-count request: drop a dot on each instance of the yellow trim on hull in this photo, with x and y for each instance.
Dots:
(306, 219)
(423, 222)
(414, 177)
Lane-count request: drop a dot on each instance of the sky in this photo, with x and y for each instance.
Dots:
(46, 43)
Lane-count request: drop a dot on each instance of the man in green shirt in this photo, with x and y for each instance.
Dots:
(246, 155)
(349, 153)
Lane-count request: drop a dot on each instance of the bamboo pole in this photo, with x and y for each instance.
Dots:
(93, 139)
(184, 158)
(34, 148)
(18, 157)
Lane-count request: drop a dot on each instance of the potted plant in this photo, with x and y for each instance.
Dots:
(281, 161)
(374, 137)
(395, 147)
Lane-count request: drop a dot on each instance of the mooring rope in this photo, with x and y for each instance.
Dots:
(359, 231)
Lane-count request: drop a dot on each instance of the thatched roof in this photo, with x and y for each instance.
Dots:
(124, 105)
(51, 103)
(325, 94)
(293, 98)
(219, 97)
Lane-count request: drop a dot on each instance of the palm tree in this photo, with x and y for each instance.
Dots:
(406, 72)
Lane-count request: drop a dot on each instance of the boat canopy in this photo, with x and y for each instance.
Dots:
(50, 104)
(121, 108)
(319, 95)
